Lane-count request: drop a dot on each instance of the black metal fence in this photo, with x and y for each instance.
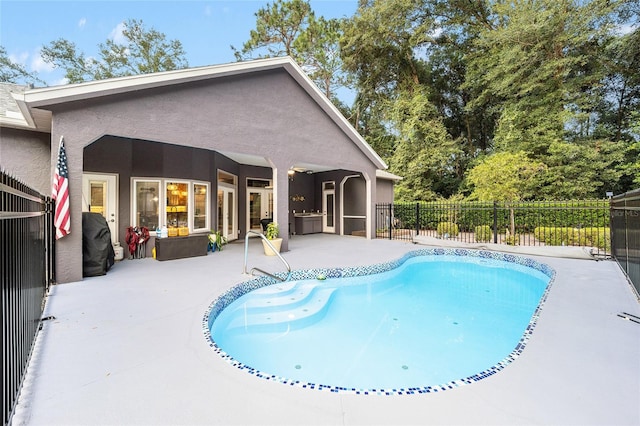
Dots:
(625, 225)
(548, 223)
(26, 265)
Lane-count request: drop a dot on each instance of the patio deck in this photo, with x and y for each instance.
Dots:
(128, 348)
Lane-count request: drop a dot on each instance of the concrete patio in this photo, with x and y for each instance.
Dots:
(128, 349)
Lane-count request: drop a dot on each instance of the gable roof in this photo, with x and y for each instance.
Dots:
(12, 113)
(34, 102)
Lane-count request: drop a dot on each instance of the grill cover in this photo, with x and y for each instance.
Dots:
(97, 252)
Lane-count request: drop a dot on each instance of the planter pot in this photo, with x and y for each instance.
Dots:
(277, 242)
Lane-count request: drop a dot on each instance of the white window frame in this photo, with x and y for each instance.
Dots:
(192, 207)
(162, 202)
(134, 203)
(189, 199)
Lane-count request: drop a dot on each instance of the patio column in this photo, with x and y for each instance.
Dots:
(370, 183)
(281, 200)
(69, 248)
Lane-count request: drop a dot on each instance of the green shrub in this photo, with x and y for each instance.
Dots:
(448, 228)
(512, 240)
(564, 236)
(483, 233)
(598, 237)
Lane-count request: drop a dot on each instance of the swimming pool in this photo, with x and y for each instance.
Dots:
(433, 320)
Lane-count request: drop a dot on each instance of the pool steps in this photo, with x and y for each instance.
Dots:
(283, 307)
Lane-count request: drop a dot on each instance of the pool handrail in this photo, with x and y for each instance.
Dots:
(246, 254)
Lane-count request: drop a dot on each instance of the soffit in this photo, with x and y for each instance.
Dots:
(256, 160)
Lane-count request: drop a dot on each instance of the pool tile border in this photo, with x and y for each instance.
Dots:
(221, 302)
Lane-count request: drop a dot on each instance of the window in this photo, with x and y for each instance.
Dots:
(200, 206)
(184, 204)
(177, 194)
(146, 203)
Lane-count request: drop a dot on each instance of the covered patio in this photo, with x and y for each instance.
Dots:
(128, 348)
(221, 147)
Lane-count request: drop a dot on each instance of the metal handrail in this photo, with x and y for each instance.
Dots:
(246, 254)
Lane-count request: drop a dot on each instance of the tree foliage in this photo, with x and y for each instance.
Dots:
(12, 72)
(524, 99)
(143, 51)
(504, 176)
(425, 153)
(290, 28)
(553, 79)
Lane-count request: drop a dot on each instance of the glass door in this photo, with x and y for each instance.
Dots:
(259, 203)
(99, 196)
(227, 212)
(328, 207)
(259, 207)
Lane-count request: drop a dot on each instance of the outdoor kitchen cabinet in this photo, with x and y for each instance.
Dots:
(309, 224)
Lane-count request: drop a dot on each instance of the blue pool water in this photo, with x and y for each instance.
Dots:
(432, 320)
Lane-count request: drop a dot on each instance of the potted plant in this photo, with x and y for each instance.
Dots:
(271, 233)
(216, 241)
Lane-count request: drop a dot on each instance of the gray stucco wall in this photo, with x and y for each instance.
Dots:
(23, 154)
(384, 191)
(266, 114)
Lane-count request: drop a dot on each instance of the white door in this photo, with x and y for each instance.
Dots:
(227, 212)
(328, 207)
(99, 195)
(259, 206)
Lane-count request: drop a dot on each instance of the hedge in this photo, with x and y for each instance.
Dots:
(528, 215)
(564, 236)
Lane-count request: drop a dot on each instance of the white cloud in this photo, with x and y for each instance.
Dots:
(32, 62)
(61, 82)
(39, 65)
(20, 58)
(116, 34)
(82, 22)
(626, 29)
(436, 32)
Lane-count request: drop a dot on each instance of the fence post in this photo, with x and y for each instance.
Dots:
(417, 218)
(495, 222)
(390, 221)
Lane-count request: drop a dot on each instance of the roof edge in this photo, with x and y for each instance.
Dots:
(47, 96)
(383, 174)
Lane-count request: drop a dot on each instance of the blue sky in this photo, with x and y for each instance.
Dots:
(206, 29)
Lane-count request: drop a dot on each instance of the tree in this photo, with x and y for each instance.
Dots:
(581, 170)
(144, 51)
(290, 27)
(278, 26)
(381, 45)
(384, 47)
(619, 94)
(12, 72)
(425, 154)
(505, 176)
(541, 59)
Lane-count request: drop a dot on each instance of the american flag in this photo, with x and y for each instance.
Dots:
(60, 194)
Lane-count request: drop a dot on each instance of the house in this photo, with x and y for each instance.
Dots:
(220, 147)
